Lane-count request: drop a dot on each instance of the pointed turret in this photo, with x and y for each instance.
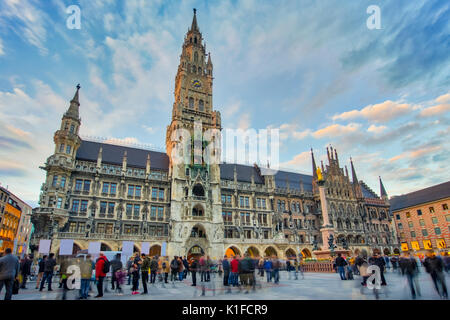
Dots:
(354, 177)
(73, 111)
(194, 26)
(314, 167)
(355, 182)
(383, 192)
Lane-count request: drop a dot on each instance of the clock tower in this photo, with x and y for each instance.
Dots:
(193, 147)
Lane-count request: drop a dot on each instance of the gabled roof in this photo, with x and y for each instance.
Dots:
(113, 154)
(433, 193)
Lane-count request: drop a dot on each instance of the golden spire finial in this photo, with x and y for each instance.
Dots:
(319, 174)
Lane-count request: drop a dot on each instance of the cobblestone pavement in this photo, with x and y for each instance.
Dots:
(314, 286)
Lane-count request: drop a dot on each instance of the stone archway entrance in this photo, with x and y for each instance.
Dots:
(306, 253)
(155, 250)
(290, 254)
(253, 252)
(232, 251)
(270, 251)
(195, 252)
(105, 247)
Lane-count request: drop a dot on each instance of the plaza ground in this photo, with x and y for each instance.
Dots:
(314, 286)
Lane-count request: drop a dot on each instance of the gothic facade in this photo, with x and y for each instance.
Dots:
(109, 193)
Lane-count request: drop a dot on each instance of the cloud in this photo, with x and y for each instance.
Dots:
(443, 106)
(417, 153)
(27, 21)
(336, 130)
(381, 112)
(2, 52)
(300, 160)
(376, 129)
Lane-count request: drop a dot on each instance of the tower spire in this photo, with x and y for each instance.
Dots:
(194, 26)
(314, 167)
(354, 177)
(383, 192)
(73, 111)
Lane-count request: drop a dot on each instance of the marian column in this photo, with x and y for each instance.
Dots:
(327, 228)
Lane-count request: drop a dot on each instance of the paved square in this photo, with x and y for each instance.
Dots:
(314, 286)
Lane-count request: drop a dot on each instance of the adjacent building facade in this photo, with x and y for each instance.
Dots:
(109, 193)
(15, 223)
(422, 219)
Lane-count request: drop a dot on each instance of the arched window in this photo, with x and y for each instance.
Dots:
(195, 56)
(191, 102)
(201, 105)
(199, 70)
(195, 40)
(194, 69)
(198, 191)
(190, 40)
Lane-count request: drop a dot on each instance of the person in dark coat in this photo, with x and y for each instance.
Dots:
(116, 265)
(186, 267)
(194, 268)
(226, 270)
(9, 271)
(25, 270)
(49, 267)
(434, 266)
(409, 268)
(41, 266)
(378, 260)
(340, 264)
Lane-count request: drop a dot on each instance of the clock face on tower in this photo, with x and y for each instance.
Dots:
(196, 83)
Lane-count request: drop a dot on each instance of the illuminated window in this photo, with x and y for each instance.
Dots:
(408, 215)
(73, 227)
(445, 206)
(431, 210)
(109, 228)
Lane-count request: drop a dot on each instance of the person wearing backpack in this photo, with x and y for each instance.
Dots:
(165, 269)
(102, 266)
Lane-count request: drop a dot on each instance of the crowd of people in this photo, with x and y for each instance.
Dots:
(241, 272)
(406, 264)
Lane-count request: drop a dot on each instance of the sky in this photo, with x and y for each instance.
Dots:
(312, 69)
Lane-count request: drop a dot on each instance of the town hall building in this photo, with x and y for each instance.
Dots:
(110, 193)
